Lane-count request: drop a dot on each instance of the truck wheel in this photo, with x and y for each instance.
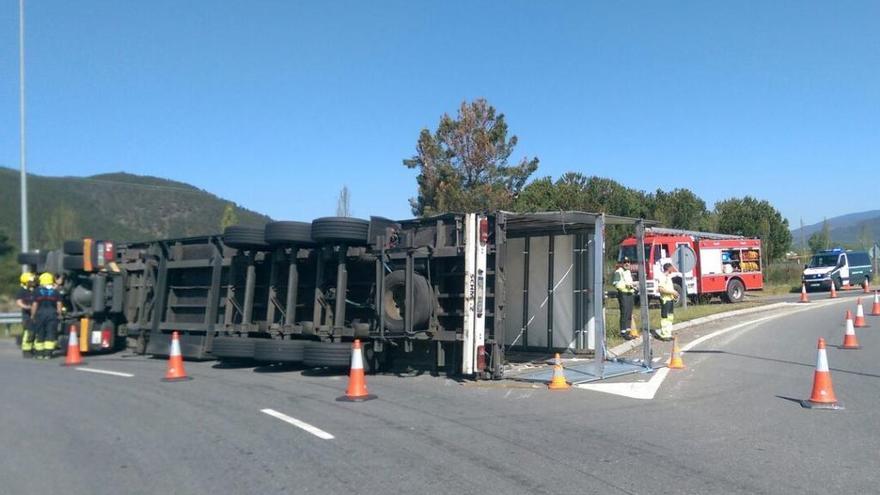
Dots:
(72, 247)
(394, 301)
(72, 262)
(289, 233)
(680, 301)
(279, 351)
(241, 237)
(329, 354)
(340, 230)
(231, 348)
(736, 291)
(31, 258)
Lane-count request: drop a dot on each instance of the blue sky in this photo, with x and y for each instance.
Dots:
(278, 104)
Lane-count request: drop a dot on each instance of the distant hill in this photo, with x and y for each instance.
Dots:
(119, 206)
(845, 229)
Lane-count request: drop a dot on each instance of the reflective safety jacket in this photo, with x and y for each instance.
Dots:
(666, 288)
(623, 281)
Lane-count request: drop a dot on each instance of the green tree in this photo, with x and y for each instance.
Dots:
(755, 218)
(463, 166)
(681, 209)
(822, 239)
(229, 218)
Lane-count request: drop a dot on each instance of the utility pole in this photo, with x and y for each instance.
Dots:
(21, 123)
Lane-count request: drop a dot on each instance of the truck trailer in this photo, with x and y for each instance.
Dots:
(453, 293)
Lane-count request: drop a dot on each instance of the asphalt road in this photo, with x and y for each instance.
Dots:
(724, 425)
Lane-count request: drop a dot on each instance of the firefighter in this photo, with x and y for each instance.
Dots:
(45, 312)
(23, 299)
(668, 296)
(623, 282)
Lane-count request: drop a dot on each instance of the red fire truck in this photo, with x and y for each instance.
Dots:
(726, 265)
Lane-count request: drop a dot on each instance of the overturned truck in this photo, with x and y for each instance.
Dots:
(452, 293)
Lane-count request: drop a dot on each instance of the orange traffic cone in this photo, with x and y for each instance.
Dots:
(73, 358)
(804, 297)
(833, 291)
(558, 381)
(357, 382)
(875, 308)
(175, 372)
(675, 362)
(633, 328)
(866, 287)
(823, 392)
(860, 315)
(849, 337)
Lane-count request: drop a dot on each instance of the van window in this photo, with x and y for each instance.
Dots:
(858, 259)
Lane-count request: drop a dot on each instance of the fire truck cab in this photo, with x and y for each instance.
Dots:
(726, 265)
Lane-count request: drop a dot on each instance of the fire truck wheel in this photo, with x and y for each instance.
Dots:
(241, 237)
(74, 246)
(71, 262)
(340, 230)
(289, 233)
(231, 348)
(735, 291)
(279, 351)
(394, 301)
(329, 354)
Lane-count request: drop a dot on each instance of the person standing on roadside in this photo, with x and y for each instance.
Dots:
(23, 299)
(626, 289)
(668, 296)
(45, 313)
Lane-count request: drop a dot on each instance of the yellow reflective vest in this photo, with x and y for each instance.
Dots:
(623, 281)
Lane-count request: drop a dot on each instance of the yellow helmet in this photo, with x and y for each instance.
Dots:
(46, 278)
(26, 278)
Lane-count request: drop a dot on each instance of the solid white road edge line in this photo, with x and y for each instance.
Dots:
(105, 372)
(299, 424)
(647, 390)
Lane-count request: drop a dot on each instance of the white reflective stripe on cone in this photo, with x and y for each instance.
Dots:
(822, 362)
(850, 329)
(860, 311)
(74, 340)
(175, 347)
(357, 360)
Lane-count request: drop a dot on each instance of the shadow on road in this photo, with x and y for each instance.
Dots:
(782, 361)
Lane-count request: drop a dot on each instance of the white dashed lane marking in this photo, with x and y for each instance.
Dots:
(314, 430)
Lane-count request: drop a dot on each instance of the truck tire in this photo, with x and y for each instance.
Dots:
(394, 301)
(680, 301)
(74, 246)
(328, 354)
(232, 348)
(241, 237)
(31, 258)
(72, 263)
(736, 291)
(289, 233)
(340, 230)
(279, 351)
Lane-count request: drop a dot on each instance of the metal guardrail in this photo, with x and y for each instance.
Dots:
(10, 318)
(7, 319)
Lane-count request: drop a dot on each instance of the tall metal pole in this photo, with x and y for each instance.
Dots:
(21, 108)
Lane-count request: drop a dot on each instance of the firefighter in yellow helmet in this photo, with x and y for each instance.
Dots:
(45, 314)
(23, 299)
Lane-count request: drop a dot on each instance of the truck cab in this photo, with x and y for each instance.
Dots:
(658, 251)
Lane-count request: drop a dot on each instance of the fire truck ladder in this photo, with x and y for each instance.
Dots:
(693, 233)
